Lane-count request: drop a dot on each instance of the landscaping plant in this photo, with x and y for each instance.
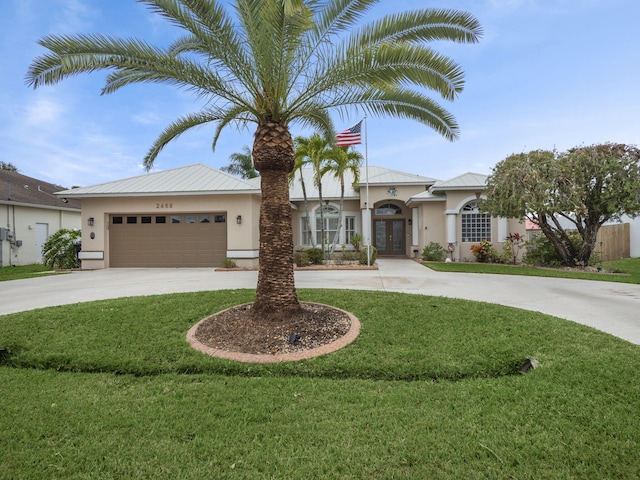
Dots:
(434, 252)
(59, 251)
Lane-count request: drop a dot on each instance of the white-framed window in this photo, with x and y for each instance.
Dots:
(349, 228)
(305, 228)
(331, 216)
(476, 226)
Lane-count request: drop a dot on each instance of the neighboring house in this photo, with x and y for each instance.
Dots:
(30, 212)
(197, 216)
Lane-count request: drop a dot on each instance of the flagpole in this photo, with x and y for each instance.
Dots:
(366, 173)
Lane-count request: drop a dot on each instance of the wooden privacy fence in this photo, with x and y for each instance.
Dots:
(614, 242)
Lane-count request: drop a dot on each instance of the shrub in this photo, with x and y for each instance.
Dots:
(349, 255)
(301, 258)
(540, 251)
(484, 251)
(229, 263)
(511, 248)
(373, 255)
(356, 239)
(434, 252)
(316, 256)
(59, 251)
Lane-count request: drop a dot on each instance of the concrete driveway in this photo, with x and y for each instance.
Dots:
(610, 307)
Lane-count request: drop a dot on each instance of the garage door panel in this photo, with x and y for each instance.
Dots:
(176, 243)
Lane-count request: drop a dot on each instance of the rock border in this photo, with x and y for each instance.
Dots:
(342, 342)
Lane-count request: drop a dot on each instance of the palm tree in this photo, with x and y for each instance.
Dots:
(315, 151)
(299, 168)
(241, 164)
(274, 64)
(341, 161)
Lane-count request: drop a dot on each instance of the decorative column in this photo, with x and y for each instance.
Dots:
(452, 217)
(502, 229)
(415, 228)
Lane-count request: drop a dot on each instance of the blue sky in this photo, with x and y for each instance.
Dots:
(547, 74)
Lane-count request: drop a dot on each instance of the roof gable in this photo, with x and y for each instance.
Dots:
(18, 188)
(192, 179)
(331, 185)
(466, 181)
(386, 176)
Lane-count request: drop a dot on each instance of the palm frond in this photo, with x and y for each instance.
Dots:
(175, 129)
(404, 104)
(426, 25)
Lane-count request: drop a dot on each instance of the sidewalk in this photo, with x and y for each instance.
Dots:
(610, 307)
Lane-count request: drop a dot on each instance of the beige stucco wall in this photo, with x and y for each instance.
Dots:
(22, 220)
(434, 218)
(242, 239)
(432, 227)
(378, 194)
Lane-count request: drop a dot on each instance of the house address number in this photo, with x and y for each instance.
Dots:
(164, 205)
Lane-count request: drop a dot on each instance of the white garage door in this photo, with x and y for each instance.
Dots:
(176, 240)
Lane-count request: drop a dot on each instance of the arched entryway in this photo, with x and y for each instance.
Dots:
(389, 229)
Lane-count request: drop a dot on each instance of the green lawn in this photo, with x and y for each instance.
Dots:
(626, 270)
(430, 389)
(26, 271)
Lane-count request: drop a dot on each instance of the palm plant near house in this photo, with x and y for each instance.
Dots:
(315, 151)
(241, 164)
(299, 168)
(275, 64)
(341, 161)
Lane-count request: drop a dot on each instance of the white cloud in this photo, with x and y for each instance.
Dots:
(44, 111)
(75, 15)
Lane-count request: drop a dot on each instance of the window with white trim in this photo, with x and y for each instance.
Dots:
(307, 234)
(476, 226)
(349, 228)
(331, 216)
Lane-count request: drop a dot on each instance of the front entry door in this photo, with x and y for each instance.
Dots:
(390, 237)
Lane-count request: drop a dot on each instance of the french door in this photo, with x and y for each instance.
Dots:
(389, 237)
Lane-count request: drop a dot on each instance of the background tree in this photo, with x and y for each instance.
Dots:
(274, 64)
(580, 190)
(241, 164)
(341, 161)
(8, 166)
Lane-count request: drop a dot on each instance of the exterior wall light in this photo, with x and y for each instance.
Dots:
(239, 219)
(90, 221)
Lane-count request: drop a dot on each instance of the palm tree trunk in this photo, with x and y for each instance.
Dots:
(336, 237)
(274, 158)
(322, 239)
(306, 211)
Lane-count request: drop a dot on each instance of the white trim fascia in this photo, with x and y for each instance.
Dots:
(242, 253)
(43, 207)
(84, 255)
(162, 194)
(436, 188)
(423, 200)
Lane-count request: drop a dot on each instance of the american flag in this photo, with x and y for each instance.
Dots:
(350, 136)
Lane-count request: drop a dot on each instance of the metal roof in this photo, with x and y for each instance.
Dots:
(190, 180)
(427, 196)
(386, 176)
(466, 181)
(331, 185)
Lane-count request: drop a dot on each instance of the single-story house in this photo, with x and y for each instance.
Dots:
(29, 213)
(197, 216)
